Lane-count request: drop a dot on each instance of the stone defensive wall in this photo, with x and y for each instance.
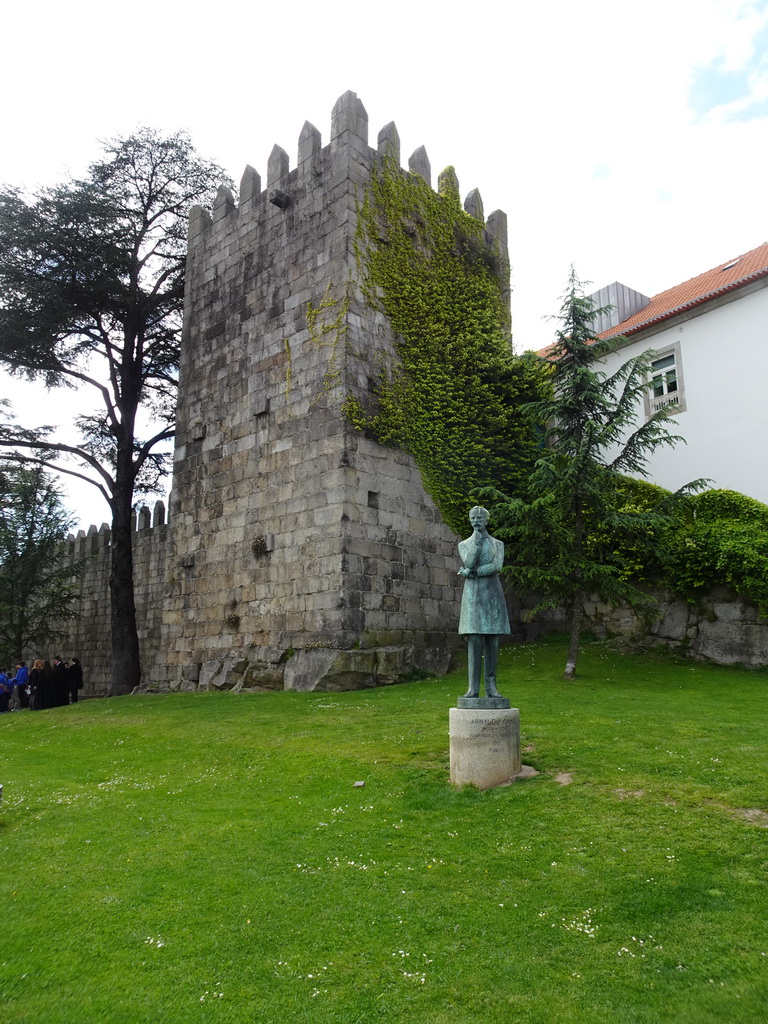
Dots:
(302, 553)
(299, 553)
(89, 633)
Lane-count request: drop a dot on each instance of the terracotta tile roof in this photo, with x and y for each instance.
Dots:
(729, 276)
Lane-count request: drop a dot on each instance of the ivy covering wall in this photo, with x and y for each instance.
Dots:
(454, 401)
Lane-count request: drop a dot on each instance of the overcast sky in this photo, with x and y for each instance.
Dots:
(627, 139)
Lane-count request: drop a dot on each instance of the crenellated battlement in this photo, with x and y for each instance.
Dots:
(348, 144)
(99, 538)
(90, 630)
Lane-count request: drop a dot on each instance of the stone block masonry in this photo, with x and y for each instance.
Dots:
(89, 632)
(298, 552)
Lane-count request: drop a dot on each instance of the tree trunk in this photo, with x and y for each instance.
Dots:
(578, 542)
(126, 664)
(573, 644)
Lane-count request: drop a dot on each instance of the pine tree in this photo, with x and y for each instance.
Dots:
(565, 543)
(37, 584)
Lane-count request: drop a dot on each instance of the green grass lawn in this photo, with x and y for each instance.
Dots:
(205, 857)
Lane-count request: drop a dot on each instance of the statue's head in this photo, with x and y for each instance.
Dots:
(480, 515)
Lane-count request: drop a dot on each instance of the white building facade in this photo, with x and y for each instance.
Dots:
(709, 343)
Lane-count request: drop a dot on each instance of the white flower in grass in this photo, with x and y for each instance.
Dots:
(581, 924)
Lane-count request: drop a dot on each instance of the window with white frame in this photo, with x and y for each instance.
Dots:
(665, 382)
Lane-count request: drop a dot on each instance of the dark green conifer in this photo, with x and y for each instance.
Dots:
(568, 541)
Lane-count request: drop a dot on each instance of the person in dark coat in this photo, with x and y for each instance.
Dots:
(45, 689)
(5, 691)
(60, 683)
(36, 686)
(75, 679)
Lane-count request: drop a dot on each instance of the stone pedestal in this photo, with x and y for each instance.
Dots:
(485, 746)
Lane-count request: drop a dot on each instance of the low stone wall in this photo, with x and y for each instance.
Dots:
(719, 627)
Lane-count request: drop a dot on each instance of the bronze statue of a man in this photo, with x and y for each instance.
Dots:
(483, 608)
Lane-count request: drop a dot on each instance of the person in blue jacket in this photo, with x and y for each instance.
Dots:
(21, 683)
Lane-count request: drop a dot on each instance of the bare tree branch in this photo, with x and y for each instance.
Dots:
(59, 447)
(31, 460)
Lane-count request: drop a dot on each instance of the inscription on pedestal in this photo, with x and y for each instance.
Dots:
(485, 746)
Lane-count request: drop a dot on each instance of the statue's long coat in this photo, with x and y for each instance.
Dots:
(483, 608)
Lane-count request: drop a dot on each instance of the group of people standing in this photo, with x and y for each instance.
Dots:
(45, 685)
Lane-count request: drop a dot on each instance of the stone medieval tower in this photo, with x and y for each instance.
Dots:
(300, 553)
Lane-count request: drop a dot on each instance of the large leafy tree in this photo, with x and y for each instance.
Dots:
(91, 294)
(37, 583)
(577, 535)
